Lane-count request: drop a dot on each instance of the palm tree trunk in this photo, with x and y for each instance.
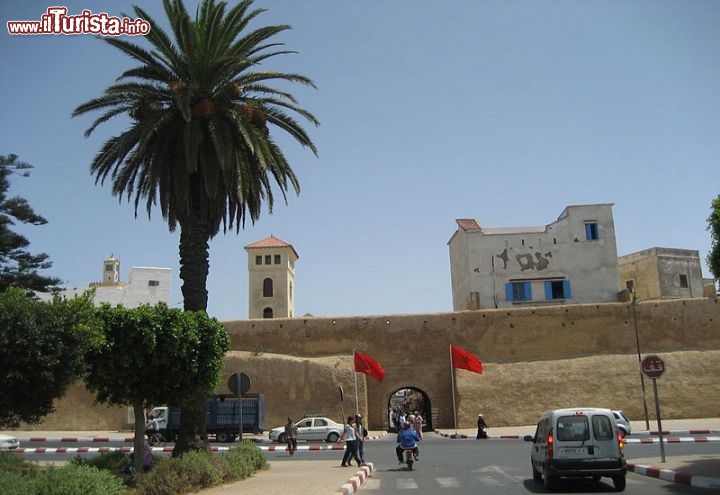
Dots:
(194, 264)
(194, 268)
(139, 437)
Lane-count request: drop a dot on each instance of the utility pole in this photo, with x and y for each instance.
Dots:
(637, 344)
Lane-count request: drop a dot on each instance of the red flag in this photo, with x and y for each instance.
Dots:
(365, 364)
(465, 360)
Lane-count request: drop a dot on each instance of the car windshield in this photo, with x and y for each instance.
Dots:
(156, 413)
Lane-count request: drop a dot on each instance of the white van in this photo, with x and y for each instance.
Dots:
(578, 442)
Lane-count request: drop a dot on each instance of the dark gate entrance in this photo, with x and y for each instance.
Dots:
(409, 400)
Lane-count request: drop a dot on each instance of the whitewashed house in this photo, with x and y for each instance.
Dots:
(146, 285)
(572, 260)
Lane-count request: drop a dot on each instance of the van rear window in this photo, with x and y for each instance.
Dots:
(602, 428)
(572, 429)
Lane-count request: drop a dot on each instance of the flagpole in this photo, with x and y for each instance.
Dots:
(357, 410)
(452, 384)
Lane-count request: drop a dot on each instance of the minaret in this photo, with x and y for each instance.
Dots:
(271, 268)
(111, 271)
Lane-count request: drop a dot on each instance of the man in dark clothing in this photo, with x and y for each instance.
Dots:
(291, 432)
(481, 425)
(362, 434)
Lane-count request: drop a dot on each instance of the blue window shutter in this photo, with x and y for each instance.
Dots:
(509, 291)
(566, 289)
(528, 291)
(548, 290)
(588, 232)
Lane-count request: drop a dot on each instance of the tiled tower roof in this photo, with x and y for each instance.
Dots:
(272, 242)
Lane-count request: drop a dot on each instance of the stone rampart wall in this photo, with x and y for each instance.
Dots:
(499, 335)
(535, 359)
(414, 350)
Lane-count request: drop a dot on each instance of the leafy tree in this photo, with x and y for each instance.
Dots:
(42, 348)
(155, 355)
(18, 267)
(199, 144)
(713, 257)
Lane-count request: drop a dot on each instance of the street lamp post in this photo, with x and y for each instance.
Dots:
(637, 344)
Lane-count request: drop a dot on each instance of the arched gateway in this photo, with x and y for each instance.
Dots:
(408, 400)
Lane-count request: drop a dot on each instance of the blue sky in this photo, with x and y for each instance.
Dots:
(504, 111)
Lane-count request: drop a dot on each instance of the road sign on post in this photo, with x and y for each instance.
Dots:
(653, 366)
(239, 384)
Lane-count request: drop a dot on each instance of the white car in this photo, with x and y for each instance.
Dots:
(313, 428)
(623, 423)
(8, 443)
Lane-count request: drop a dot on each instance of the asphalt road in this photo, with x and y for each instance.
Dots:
(500, 467)
(459, 466)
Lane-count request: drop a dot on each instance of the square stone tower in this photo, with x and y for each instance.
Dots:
(271, 278)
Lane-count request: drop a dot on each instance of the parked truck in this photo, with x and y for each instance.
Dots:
(222, 417)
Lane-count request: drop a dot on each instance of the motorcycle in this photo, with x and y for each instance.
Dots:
(409, 458)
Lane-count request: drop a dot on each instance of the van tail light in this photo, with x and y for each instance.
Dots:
(621, 439)
(550, 445)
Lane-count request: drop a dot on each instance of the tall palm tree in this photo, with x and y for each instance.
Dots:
(199, 145)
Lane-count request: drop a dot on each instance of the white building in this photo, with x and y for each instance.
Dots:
(146, 285)
(572, 260)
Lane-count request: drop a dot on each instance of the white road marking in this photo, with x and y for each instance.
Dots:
(371, 484)
(448, 482)
(406, 484)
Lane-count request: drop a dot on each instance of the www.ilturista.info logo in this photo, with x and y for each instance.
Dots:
(56, 21)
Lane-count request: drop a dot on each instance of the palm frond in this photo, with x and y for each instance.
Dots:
(201, 105)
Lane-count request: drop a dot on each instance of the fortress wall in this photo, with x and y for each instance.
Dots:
(519, 348)
(535, 359)
(498, 335)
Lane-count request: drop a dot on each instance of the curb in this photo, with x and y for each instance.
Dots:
(463, 436)
(127, 449)
(674, 432)
(129, 440)
(355, 482)
(675, 477)
(673, 440)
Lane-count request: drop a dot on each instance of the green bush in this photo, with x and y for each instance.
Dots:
(75, 479)
(196, 470)
(13, 463)
(245, 459)
(164, 479)
(186, 474)
(224, 468)
(114, 460)
(14, 483)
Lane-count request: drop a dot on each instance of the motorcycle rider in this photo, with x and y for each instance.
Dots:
(407, 439)
(152, 430)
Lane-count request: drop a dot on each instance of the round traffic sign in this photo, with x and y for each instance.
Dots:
(239, 383)
(652, 366)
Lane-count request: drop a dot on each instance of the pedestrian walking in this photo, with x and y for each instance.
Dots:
(418, 424)
(481, 425)
(291, 433)
(362, 434)
(350, 436)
